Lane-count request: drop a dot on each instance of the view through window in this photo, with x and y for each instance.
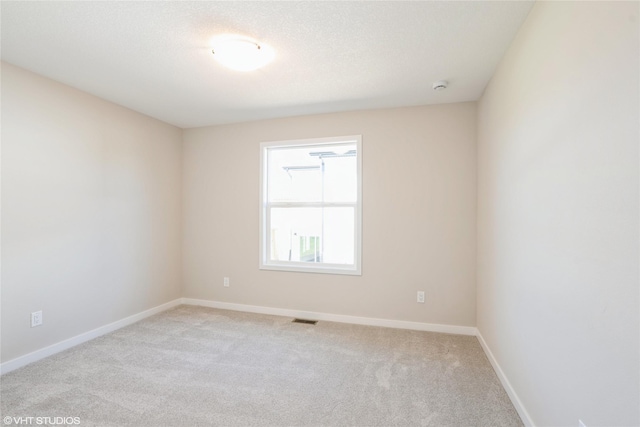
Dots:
(311, 205)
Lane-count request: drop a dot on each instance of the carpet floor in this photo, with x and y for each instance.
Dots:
(197, 366)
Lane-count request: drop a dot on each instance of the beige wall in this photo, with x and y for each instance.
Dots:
(91, 212)
(558, 214)
(419, 216)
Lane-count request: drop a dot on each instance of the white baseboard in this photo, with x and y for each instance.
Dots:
(399, 324)
(34, 356)
(341, 318)
(21, 361)
(526, 418)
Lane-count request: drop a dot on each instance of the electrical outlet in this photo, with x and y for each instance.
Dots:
(226, 282)
(581, 424)
(421, 297)
(36, 318)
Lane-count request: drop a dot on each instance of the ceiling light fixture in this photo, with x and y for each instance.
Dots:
(241, 53)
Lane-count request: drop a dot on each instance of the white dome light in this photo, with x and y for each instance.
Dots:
(241, 53)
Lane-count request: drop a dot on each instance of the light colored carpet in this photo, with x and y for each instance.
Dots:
(197, 366)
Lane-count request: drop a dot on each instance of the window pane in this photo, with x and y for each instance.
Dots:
(339, 235)
(312, 174)
(294, 176)
(295, 234)
(340, 179)
(314, 235)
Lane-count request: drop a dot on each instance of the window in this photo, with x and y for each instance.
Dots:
(311, 206)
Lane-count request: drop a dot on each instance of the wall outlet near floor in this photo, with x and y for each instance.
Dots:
(36, 318)
(226, 282)
(421, 297)
(581, 424)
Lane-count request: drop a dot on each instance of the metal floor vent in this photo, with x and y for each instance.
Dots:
(305, 321)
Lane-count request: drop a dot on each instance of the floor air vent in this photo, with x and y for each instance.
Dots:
(305, 321)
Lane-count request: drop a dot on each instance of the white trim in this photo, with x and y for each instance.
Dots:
(341, 318)
(522, 411)
(304, 267)
(34, 356)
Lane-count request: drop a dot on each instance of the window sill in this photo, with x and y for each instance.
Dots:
(352, 271)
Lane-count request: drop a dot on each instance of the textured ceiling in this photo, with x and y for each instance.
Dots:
(154, 57)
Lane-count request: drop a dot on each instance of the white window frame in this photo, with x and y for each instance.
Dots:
(306, 267)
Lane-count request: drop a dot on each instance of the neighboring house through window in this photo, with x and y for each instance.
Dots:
(311, 207)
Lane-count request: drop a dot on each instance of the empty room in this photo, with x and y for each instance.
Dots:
(316, 213)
